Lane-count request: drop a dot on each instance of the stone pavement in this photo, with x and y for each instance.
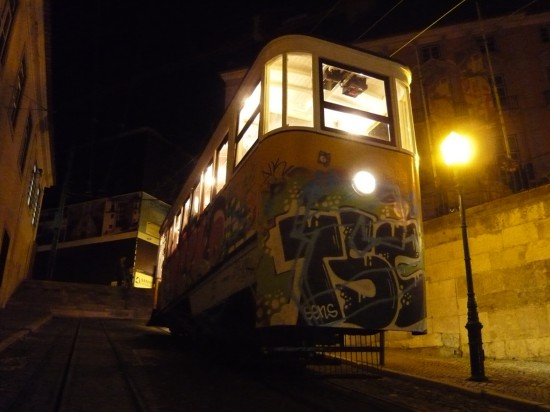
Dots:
(35, 302)
(524, 384)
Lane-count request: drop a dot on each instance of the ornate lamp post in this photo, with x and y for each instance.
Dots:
(457, 151)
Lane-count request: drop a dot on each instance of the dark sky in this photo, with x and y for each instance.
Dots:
(123, 64)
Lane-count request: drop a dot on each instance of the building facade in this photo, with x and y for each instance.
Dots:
(107, 241)
(489, 79)
(26, 158)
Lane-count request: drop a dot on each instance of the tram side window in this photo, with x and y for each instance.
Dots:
(207, 183)
(355, 102)
(294, 77)
(161, 255)
(186, 211)
(274, 94)
(299, 97)
(221, 166)
(406, 124)
(196, 202)
(249, 121)
(174, 232)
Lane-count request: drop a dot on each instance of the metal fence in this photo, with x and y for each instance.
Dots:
(349, 355)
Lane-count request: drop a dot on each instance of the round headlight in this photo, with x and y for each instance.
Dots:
(364, 182)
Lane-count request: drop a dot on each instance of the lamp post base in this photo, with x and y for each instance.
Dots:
(477, 355)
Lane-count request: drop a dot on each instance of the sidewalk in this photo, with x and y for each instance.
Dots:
(525, 384)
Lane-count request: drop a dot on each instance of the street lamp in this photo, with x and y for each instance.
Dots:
(457, 151)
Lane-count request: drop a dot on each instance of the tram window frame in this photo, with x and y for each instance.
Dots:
(406, 122)
(207, 183)
(248, 124)
(343, 110)
(186, 211)
(288, 91)
(274, 93)
(220, 169)
(177, 227)
(195, 200)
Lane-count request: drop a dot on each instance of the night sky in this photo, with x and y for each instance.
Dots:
(118, 65)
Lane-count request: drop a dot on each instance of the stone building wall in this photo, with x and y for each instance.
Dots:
(509, 243)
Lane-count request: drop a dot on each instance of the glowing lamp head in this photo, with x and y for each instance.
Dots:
(456, 149)
(364, 182)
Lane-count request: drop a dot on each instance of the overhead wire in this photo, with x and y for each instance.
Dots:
(325, 16)
(524, 7)
(372, 26)
(429, 27)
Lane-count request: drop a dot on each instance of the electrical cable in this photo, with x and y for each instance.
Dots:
(378, 21)
(429, 27)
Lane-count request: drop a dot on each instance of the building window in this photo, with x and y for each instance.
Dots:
(25, 143)
(430, 52)
(489, 41)
(500, 88)
(17, 92)
(6, 20)
(33, 194)
(513, 146)
(4, 249)
(545, 34)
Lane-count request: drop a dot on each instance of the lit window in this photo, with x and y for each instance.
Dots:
(221, 166)
(291, 78)
(161, 254)
(249, 121)
(355, 102)
(186, 212)
(274, 94)
(207, 185)
(176, 227)
(196, 205)
(299, 96)
(250, 106)
(406, 119)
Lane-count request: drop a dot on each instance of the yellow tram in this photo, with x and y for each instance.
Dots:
(302, 215)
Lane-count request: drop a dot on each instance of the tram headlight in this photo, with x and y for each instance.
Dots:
(364, 182)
